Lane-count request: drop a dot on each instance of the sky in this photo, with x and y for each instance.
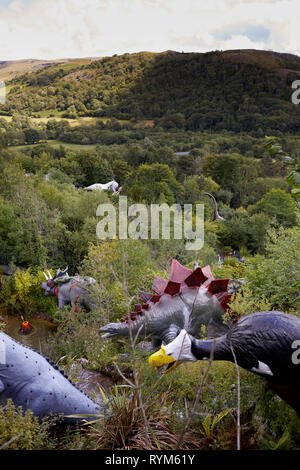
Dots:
(53, 29)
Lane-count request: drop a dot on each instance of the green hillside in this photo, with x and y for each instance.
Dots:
(239, 90)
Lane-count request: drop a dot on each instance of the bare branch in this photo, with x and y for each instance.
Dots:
(197, 398)
(238, 422)
(13, 439)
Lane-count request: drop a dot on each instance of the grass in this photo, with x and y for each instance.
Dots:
(57, 144)
(45, 116)
(50, 114)
(6, 118)
(18, 67)
(125, 428)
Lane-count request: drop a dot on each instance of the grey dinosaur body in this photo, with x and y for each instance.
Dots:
(188, 301)
(70, 290)
(32, 382)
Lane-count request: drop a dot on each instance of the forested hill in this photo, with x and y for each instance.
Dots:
(238, 90)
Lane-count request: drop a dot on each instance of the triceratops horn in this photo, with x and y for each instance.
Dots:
(66, 269)
(50, 277)
(47, 279)
(196, 264)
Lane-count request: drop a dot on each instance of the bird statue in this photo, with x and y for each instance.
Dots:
(216, 215)
(265, 343)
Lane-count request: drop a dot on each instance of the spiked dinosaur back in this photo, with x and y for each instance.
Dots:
(188, 300)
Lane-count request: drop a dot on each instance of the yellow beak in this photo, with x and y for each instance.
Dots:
(160, 358)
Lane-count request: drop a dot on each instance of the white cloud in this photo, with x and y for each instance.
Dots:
(80, 28)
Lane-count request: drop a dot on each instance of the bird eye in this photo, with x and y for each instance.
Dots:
(168, 353)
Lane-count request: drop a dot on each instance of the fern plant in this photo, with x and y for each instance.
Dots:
(209, 423)
(284, 443)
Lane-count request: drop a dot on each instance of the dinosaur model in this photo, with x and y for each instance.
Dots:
(74, 290)
(110, 186)
(190, 299)
(216, 215)
(34, 382)
(265, 343)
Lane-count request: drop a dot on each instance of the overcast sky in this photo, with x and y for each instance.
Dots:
(49, 29)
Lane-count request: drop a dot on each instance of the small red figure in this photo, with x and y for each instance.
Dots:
(26, 328)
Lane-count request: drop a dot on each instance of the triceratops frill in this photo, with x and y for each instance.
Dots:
(190, 299)
(34, 382)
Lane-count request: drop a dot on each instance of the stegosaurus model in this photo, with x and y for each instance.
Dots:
(190, 299)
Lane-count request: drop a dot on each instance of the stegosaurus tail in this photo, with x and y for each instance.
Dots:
(182, 278)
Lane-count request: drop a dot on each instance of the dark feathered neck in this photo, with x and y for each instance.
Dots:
(202, 349)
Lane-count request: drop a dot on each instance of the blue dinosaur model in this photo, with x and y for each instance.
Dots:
(34, 382)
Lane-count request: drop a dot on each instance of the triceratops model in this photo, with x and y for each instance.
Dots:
(33, 382)
(190, 299)
(74, 290)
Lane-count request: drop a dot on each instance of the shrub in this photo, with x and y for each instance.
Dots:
(23, 292)
(276, 275)
(20, 431)
(244, 303)
(123, 268)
